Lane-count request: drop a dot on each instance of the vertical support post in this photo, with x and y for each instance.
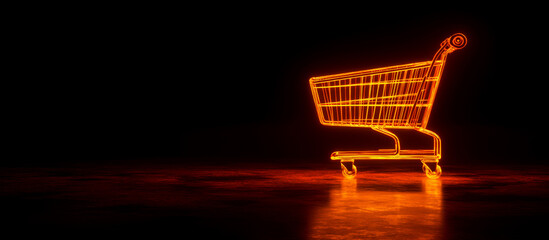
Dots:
(390, 134)
(437, 142)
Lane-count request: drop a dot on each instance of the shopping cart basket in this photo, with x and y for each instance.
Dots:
(399, 97)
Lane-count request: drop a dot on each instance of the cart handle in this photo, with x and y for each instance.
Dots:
(454, 42)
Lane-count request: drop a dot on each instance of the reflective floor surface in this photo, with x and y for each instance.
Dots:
(275, 202)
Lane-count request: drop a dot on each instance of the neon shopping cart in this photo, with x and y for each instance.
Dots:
(395, 97)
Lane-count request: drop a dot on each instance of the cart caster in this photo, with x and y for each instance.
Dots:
(430, 174)
(349, 174)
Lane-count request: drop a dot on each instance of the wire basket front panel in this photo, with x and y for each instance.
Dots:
(377, 98)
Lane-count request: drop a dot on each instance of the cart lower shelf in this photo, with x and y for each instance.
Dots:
(424, 155)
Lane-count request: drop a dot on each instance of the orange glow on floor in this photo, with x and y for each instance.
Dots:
(362, 211)
(399, 96)
(273, 201)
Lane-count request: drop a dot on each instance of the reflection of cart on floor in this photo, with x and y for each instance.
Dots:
(391, 97)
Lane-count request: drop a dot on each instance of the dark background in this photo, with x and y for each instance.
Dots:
(230, 83)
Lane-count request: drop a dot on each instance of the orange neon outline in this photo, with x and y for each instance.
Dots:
(398, 97)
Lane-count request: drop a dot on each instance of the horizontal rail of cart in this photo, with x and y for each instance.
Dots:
(395, 97)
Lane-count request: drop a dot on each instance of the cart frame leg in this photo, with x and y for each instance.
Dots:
(390, 134)
(437, 143)
(437, 147)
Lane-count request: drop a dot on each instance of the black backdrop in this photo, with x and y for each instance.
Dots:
(230, 83)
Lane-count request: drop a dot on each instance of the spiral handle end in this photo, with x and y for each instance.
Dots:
(456, 41)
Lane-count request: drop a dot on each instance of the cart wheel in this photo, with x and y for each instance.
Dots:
(430, 174)
(348, 174)
(458, 40)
